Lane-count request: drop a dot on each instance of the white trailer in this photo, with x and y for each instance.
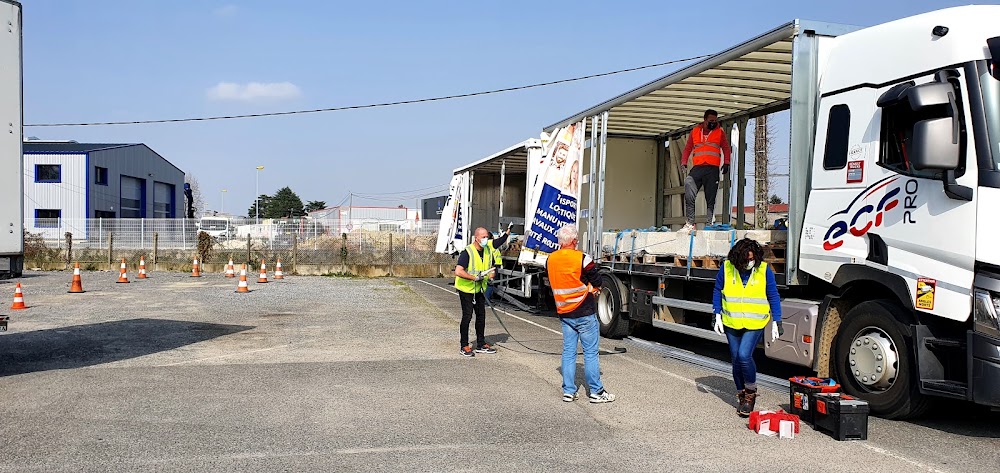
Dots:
(891, 275)
(11, 157)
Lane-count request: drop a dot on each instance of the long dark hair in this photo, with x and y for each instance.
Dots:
(738, 255)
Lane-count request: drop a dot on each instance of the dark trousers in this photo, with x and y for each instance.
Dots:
(467, 308)
(706, 176)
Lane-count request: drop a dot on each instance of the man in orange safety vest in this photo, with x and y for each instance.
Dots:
(708, 146)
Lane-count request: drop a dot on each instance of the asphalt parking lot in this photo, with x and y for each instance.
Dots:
(335, 374)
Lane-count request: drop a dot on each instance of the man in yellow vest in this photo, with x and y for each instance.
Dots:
(472, 273)
(574, 277)
(745, 300)
(709, 148)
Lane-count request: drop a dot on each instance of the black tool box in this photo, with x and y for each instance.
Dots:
(800, 395)
(842, 416)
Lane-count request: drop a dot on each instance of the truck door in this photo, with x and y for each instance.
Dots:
(895, 222)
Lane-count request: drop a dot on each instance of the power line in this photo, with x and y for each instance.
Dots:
(372, 105)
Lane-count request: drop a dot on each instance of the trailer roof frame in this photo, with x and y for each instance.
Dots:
(722, 80)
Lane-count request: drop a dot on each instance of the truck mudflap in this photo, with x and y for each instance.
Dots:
(984, 369)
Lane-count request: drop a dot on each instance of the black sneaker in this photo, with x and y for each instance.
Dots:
(466, 351)
(486, 348)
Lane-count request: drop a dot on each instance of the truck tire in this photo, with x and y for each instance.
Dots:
(873, 359)
(609, 307)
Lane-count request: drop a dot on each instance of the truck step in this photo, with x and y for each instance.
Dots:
(944, 387)
(947, 343)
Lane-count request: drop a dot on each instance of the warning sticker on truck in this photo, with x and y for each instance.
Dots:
(855, 171)
(925, 293)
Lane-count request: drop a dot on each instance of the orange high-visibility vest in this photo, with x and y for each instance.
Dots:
(565, 267)
(707, 149)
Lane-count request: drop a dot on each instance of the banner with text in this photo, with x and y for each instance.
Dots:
(553, 197)
(452, 233)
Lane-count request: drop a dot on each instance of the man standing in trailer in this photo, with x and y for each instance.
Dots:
(709, 147)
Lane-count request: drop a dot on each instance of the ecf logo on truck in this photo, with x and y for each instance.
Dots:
(868, 216)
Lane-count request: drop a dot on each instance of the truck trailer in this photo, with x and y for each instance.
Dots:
(11, 156)
(888, 270)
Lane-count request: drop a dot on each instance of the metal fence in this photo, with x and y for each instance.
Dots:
(170, 233)
(175, 242)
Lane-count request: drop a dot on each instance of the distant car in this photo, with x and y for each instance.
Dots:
(216, 227)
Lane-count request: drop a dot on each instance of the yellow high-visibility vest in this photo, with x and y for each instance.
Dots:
(477, 265)
(745, 306)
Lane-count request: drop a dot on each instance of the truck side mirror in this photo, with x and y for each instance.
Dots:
(934, 146)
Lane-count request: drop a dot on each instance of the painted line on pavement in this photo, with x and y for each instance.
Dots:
(887, 453)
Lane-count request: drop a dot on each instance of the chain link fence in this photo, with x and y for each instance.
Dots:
(306, 246)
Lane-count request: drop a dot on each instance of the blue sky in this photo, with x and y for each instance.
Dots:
(142, 59)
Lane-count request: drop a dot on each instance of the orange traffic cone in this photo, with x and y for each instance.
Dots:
(195, 269)
(230, 271)
(242, 286)
(277, 270)
(18, 298)
(123, 276)
(263, 273)
(142, 268)
(77, 286)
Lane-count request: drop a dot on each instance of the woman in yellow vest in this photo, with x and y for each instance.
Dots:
(746, 299)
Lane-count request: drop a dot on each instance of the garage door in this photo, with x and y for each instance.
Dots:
(163, 200)
(132, 197)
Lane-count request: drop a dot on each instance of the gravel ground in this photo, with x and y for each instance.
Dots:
(333, 374)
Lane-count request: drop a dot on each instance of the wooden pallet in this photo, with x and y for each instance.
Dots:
(704, 262)
(659, 259)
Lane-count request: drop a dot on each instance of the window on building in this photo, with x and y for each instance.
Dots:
(47, 218)
(103, 214)
(100, 176)
(838, 129)
(48, 173)
(133, 201)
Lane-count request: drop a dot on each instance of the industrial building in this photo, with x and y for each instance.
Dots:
(70, 181)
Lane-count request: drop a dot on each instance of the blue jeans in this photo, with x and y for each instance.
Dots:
(742, 343)
(586, 331)
(489, 291)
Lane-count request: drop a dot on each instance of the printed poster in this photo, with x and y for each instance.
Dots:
(553, 197)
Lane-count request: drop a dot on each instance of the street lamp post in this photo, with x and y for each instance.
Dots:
(224, 201)
(257, 205)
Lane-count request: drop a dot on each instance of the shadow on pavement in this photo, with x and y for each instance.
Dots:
(961, 418)
(93, 344)
(723, 388)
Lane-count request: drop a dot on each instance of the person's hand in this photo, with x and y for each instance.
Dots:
(725, 169)
(684, 173)
(509, 226)
(776, 330)
(718, 325)
(478, 278)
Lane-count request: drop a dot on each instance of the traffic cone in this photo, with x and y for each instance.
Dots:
(18, 298)
(277, 270)
(263, 273)
(195, 269)
(242, 286)
(77, 286)
(142, 268)
(123, 276)
(230, 271)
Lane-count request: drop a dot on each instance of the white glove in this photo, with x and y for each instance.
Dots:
(718, 325)
(774, 331)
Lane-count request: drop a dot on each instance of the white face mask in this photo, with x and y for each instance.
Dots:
(483, 242)
(750, 265)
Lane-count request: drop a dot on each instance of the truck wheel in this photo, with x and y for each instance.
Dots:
(874, 361)
(609, 308)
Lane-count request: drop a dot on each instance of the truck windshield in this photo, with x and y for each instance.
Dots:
(991, 99)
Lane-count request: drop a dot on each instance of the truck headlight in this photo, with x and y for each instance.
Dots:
(985, 312)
